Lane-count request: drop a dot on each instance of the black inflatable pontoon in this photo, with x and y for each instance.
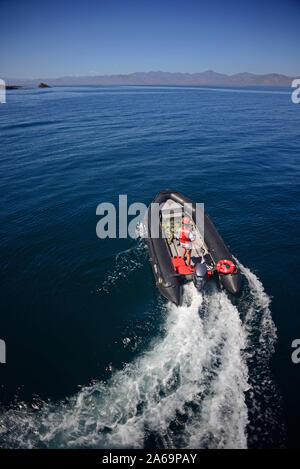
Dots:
(210, 257)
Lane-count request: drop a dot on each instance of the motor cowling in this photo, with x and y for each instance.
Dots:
(200, 275)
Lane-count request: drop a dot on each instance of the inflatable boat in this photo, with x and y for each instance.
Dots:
(209, 256)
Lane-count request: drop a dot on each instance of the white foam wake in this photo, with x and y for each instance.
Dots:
(187, 390)
(258, 317)
(266, 427)
(202, 385)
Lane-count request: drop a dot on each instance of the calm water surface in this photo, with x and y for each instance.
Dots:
(95, 357)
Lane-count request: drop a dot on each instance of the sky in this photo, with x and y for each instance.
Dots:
(97, 37)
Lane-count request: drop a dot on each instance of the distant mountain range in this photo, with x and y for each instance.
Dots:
(164, 78)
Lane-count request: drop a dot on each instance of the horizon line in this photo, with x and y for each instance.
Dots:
(95, 75)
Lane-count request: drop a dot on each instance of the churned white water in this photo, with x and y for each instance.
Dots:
(187, 390)
(263, 400)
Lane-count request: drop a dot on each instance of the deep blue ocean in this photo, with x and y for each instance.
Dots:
(95, 356)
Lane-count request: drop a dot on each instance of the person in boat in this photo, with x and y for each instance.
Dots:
(186, 238)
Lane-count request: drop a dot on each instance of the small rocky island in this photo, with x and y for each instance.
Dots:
(43, 85)
(12, 87)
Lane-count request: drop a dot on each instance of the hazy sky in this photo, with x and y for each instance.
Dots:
(54, 38)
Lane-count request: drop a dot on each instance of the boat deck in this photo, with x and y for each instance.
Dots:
(171, 216)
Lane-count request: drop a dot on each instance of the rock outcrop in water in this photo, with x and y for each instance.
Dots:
(12, 87)
(43, 85)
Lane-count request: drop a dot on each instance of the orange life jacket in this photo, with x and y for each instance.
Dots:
(184, 235)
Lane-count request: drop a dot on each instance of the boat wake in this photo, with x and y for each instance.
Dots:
(266, 422)
(192, 388)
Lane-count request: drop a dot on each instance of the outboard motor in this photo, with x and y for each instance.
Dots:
(200, 275)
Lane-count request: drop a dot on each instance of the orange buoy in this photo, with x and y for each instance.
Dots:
(226, 266)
